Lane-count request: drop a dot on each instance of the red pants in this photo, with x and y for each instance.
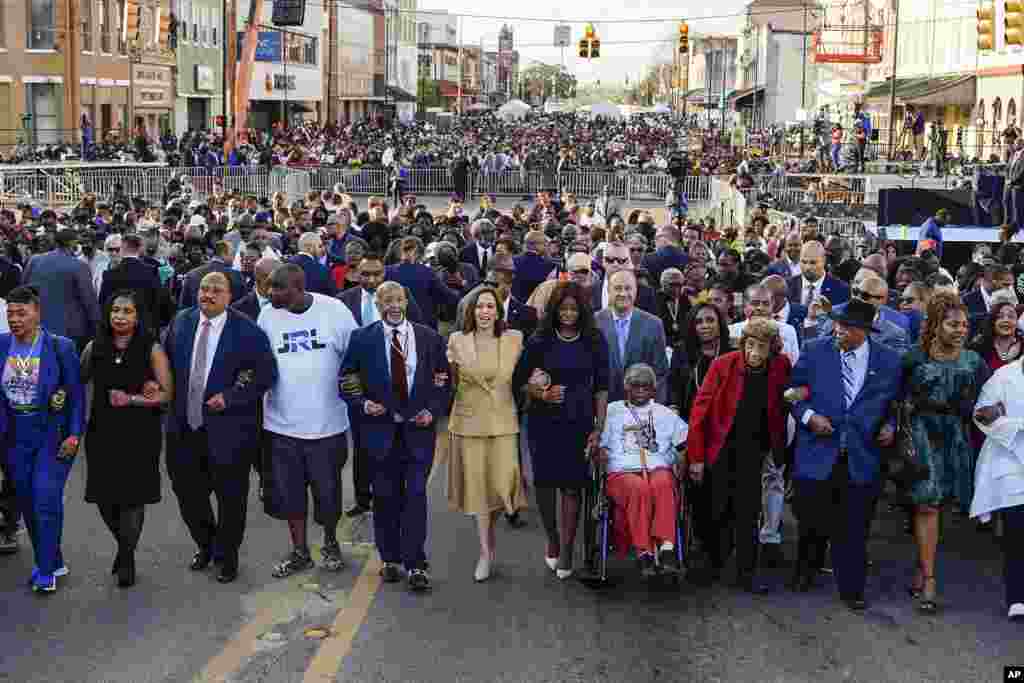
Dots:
(645, 509)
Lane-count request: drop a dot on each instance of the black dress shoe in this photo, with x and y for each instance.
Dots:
(200, 561)
(515, 520)
(126, 571)
(855, 603)
(802, 581)
(390, 573)
(357, 510)
(771, 556)
(228, 572)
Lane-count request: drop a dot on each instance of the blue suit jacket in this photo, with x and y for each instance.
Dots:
(889, 334)
(645, 343)
(426, 287)
(662, 259)
(68, 303)
(353, 298)
(367, 358)
(531, 270)
(820, 370)
(835, 290)
(59, 367)
(318, 278)
(235, 432)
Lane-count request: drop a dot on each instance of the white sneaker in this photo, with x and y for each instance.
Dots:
(1016, 612)
(61, 571)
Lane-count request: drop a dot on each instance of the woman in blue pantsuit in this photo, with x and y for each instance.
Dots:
(41, 420)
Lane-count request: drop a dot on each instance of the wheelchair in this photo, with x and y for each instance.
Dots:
(597, 542)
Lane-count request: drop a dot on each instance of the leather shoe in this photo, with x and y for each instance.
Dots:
(228, 572)
(855, 603)
(390, 573)
(802, 581)
(200, 561)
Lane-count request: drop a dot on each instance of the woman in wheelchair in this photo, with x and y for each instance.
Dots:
(738, 417)
(640, 446)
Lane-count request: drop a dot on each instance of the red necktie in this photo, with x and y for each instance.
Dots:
(399, 383)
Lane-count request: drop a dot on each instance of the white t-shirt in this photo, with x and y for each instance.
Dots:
(624, 437)
(310, 347)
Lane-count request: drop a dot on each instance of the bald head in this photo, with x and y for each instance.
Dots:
(214, 294)
(262, 271)
(310, 243)
(872, 289)
(812, 261)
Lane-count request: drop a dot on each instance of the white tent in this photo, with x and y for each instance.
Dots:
(513, 109)
(606, 109)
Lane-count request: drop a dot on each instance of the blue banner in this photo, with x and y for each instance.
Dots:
(268, 46)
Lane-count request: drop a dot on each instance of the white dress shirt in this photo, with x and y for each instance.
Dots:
(480, 251)
(790, 345)
(408, 340)
(505, 304)
(216, 328)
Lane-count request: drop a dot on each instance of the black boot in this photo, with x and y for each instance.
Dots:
(126, 569)
(803, 573)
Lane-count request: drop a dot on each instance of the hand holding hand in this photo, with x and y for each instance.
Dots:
(69, 448)
(989, 414)
(216, 404)
(119, 399)
(555, 394)
(373, 409)
(820, 425)
(151, 390)
(423, 418)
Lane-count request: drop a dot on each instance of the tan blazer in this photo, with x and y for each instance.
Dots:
(484, 407)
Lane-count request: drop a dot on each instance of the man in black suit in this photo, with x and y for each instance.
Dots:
(995, 277)
(252, 303)
(815, 283)
(480, 250)
(132, 273)
(668, 254)
(318, 278)
(518, 316)
(220, 264)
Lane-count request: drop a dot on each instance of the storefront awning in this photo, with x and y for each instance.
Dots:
(742, 99)
(938, 90)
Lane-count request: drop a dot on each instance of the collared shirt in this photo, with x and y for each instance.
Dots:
(604, 292)
(505, 304)
(216, 328)
(368, 304)
(783, 314)
(622, 332)
(986, 297)
(629, 450)
(804, 284)
(408, 340)
(260, 299)
(480, 251)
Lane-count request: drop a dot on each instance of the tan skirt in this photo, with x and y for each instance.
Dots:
(483, 474)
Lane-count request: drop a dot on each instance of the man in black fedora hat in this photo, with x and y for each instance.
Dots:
(840, 392)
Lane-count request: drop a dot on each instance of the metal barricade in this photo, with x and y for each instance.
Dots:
(435, 180)
(357, 181)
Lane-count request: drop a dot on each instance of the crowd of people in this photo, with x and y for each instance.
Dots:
(530, 351)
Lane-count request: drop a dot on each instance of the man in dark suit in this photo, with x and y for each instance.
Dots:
(220, 263)
(518, 316)
(996, 276)
(222, 364)
(479, 251)
(318, 278)
(673, 304)
(633, 336)
(69, 305)
(846, 386)
(426, 287)
(616, 258)
(668, 253)
(814, 283)
(396, 379)
(252, 303)
(531, 267)
(132, 273)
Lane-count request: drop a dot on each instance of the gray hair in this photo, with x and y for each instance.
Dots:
(640, 373)
(670, 272)
(480, 225)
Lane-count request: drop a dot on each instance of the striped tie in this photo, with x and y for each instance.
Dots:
(848, 379)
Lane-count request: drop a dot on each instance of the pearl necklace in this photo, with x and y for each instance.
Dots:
(567, 339)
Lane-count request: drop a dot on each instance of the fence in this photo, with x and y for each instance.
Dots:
(62, 185)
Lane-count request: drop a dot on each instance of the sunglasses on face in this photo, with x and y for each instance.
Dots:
(863, 295)
(616, 261)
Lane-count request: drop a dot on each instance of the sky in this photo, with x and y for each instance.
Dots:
(534, 39)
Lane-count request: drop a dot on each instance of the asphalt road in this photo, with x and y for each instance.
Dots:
(523, 625)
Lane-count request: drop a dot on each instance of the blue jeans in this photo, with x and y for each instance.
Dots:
(773, 501)
(39, 479)
(836, 149)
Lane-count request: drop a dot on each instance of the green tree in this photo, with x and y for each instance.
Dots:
(551, 80)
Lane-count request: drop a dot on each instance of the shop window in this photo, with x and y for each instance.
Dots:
(103, 12)
(43, 102)
(42, 20)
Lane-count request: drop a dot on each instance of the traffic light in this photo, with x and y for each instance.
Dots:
(684, 38)
(218, 121)
(986, 27)
(584, 50)
(1013, 21)
(590, 46)
(595, 48)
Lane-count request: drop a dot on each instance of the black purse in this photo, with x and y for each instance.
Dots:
(903, 467)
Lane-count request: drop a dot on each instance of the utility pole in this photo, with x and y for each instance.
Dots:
(892, 84)
(228, 73)
(332, 56)
(803, 81)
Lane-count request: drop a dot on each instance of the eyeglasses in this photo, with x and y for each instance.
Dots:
(863, 295)
(581, 272)
(613, 260)
(908, 300)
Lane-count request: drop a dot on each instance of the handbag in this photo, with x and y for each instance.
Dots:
(903, 467)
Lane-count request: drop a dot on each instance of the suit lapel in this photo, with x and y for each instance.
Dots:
(634, 335)
(379, 341)
(226, 341)
(188, 335)
(608, 326)
(421, 357)
(869, 373)
(48, 367)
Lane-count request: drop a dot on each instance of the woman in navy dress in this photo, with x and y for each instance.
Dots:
(564, 373)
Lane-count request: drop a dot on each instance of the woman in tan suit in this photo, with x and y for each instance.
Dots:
(483, 473)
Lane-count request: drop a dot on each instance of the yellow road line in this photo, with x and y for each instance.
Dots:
(234, 654)
(333, 650)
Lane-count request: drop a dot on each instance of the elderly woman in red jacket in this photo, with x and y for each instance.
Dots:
(738, 417)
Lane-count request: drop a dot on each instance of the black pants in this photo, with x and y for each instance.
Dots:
(731, 522)
(195, 477)
(362, 474)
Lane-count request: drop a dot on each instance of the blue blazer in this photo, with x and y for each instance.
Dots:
(367, 358)
(59, 367)
(243, 346)
(318, 278)
(820, 370)
(833, 289)
(426, 287)
(531, 270)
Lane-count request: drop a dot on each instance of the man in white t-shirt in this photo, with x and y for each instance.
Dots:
(303, 413)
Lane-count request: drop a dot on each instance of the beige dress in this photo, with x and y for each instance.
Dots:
(483, 468)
